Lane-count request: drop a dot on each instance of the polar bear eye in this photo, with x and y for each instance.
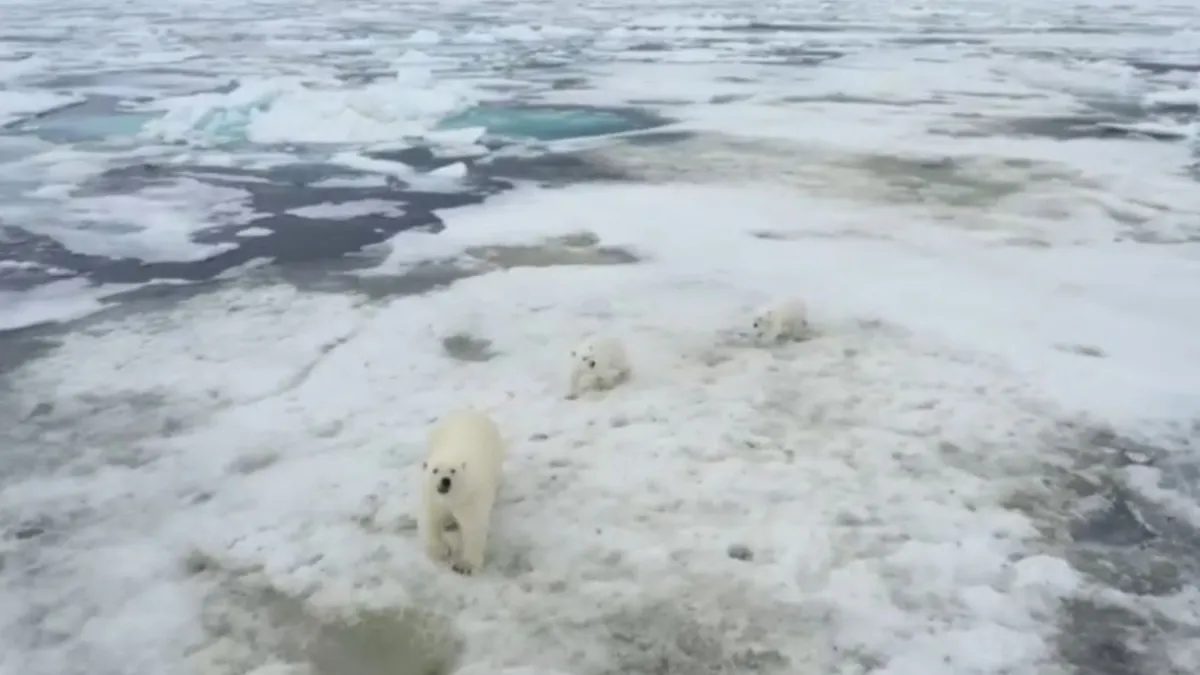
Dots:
(452, 472)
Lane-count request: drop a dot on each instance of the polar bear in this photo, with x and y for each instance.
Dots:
(598, 363)
(460, 476)
(781, 321)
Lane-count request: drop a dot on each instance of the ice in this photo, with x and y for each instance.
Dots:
(1147, 481)
(17, 105)
(534, 33)
(465, 137)
(55, 302)
(156, 223)
(220, 479)
(331, 211)
(12, 69)
(443, 178)
(870, 470)
(1182, 97)
(425, 37)
(290, 110)
(354, 160)
(254, 232)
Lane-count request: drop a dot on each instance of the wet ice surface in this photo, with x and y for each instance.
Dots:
(284, 237)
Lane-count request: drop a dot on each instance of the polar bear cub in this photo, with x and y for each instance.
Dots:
(781, 321)
(598, 363)
(460, 476)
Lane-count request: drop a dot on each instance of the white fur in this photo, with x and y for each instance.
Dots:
(598, 363)
(781, 321)
(466, 447)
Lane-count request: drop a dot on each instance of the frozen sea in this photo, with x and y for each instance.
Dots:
(249, 250)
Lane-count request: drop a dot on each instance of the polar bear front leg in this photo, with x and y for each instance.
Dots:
(473, 525)
(432, 526)
(776, 330)
(581, 380)
(575, 385)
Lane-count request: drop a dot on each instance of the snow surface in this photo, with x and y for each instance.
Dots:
(227, 483)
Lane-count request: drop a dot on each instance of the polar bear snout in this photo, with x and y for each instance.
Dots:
(760, 327)
(443, 485)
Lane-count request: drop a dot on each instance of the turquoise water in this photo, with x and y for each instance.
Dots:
(96, 119)
(100, 119)
(550, 123)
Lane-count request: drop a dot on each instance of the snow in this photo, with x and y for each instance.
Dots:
(223, 479)
(869, 469)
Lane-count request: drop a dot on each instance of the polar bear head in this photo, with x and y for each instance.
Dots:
(765, 326)
(446, 478)
(585, 356)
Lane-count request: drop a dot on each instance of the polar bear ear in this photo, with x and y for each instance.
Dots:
(463, 465)
(424, 465)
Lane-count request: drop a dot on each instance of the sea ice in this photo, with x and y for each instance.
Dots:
(16, 105)
(226, 484)
(888, 475)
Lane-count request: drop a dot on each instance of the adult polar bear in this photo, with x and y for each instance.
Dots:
(460, 476)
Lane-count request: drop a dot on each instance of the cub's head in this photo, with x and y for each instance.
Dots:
(445, 478)
(585, 356)
(762, 328)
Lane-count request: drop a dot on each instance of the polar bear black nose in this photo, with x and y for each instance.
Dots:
(443, 486)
